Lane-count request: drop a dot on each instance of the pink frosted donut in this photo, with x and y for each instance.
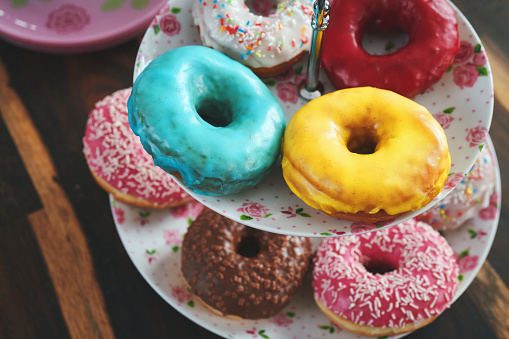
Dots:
(468, 198)
(118, 161)
(416, 280)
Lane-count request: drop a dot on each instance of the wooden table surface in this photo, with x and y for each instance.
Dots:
(63, 270)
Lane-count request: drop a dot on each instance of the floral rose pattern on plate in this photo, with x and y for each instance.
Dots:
(469, 63)
(283, 319)
(287, 84)
(150, 255)
(466, 262)
(182, 295)
(453, 180)
(167, 22)
(108, 5)
(476, 136)
(444, 120)
(67, 18)
(173, 238)
(189, 211)
(490, 212)
(252, 210)
(291, 213)
(119, 214)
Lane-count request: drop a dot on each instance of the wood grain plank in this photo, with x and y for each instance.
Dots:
(57, 229)
(28, 307)
(491, 296)
(499, 63)
(17, 194)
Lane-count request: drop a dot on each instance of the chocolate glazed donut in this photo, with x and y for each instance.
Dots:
(239, 271)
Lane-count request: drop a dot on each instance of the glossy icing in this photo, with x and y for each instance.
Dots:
(116, 156)
(406, 171)
(433, 41)
(241, 271)
(255, 40)
(420, 282)
(211, 160)
(473, 194)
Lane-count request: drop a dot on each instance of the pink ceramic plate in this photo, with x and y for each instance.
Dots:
(73, 26)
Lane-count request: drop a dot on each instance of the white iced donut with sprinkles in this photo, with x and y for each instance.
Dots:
(472, 195)
(118, 161)
(268, 36)
(385, 282)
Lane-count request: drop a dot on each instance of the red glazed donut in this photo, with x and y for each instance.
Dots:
(433, 41)
(118, 161)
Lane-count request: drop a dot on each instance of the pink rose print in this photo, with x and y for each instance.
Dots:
(143, 221)
(143, 217)
(453, 180)
(481, 233)
(288, 75)
(281, 320)
(67, 19)
(336, 232)
(253, 209)
(288, 92)
(488, 213)
(299, 77)
(169, 24)
(191, 210)
(494, 198)
(180, 293)
(360, 227)
(464, 53)
(476, 135)
(444, 120)
(466, 262)
(253, 332)
(153, 22)
(465, 75)
(119, 214)
(480, 59)
(149, 254)
(289, 213)
(164, 9)
(172, 237)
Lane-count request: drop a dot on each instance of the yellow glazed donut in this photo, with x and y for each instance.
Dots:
(365, 154)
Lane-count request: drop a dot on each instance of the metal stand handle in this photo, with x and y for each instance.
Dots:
(311, 87)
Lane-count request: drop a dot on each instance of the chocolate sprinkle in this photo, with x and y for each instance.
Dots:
(251, 287)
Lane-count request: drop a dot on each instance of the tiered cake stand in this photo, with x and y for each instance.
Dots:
(461, 102)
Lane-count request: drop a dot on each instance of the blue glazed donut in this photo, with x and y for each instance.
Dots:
(206, 119)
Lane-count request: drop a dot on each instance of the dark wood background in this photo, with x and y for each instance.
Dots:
(63, 270)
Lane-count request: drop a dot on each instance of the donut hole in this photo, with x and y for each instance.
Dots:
(379, 266)
(249, 245)
(384, 29)
(362, 141)
(262, 7)
(215, 113)
(378, 42)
